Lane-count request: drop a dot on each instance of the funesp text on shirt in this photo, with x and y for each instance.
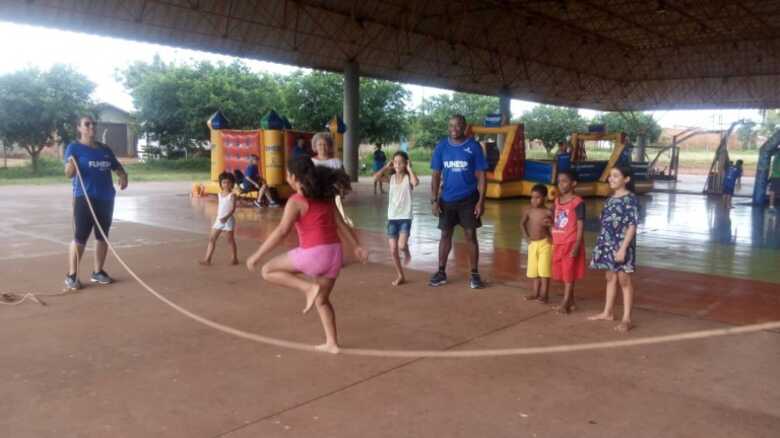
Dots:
(456, 164)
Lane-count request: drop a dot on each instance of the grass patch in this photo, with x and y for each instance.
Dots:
(51, 171)
(420, 157)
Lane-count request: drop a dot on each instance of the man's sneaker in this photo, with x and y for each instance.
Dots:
(475, 282)
(101, 277)
(257, 203)
(72, 283)
(438, 279)
(274, 204)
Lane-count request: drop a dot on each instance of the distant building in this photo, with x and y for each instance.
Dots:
(116, 128)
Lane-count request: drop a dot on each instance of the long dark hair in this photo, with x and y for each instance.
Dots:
(318, 182)
(627, 173)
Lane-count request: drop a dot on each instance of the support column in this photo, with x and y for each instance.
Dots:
(351, 119)
(505, 108)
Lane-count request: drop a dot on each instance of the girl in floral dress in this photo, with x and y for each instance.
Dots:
(615, 250)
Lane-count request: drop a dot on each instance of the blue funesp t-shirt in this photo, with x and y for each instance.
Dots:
(457, 164)
(95, 165)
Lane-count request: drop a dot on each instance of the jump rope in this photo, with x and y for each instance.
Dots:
(522, 351)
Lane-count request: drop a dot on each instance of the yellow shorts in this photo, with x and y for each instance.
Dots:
(540, 259)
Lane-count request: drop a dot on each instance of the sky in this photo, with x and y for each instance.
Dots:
(29, 46)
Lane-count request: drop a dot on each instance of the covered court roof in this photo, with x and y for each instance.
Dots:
(601, 54)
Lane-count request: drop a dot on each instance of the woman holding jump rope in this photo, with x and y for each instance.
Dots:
(95, 162)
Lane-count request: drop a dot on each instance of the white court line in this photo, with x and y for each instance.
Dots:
(702, 334)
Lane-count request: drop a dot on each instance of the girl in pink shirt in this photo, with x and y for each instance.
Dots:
(320, 229)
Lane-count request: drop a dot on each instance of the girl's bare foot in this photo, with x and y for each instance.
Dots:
(565, 308)
(311, 295)
(204, 262)
(601, 317)
(234, 262)
(399, 281)
(624, 326)
(531, 297)
(544, 299)
(328, 348)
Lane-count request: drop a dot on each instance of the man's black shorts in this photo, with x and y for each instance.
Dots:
(104, 210)
(459, 213)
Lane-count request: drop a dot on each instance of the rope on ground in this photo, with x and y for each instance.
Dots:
(702, 334)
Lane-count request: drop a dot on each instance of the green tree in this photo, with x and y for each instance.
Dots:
(174, 101)
(746, 134)
(428, 124)
(632, 123)
(38, 108)
(770, 121)
(552, 124)
(311, 99)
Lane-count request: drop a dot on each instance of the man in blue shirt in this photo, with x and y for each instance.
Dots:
(458, 195)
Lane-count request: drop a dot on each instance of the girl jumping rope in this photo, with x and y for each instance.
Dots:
(399, 208)
(615, 249)
(225, 220)
(320, 228)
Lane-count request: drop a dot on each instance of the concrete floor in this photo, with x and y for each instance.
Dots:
(114, 361)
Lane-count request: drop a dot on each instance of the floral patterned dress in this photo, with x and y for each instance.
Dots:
(619, 213)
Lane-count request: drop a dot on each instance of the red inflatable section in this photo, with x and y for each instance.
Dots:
(239, 146)
(513, 168)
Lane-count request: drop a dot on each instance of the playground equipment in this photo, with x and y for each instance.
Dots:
(231, 149)
(720, 163)
(770, 148)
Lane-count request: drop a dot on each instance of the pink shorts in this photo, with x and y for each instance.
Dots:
(318, 261)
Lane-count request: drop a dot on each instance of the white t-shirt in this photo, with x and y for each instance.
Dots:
(400, 198)
(224, 208)
(333, 163)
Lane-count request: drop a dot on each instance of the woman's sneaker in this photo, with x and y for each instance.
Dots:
(72, 283)
(101, 277)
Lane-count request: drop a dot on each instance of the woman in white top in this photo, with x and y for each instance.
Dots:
(399, 208)
(323, 145)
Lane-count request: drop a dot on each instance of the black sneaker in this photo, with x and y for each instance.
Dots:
(101, 277)
(476, 282)
(439, 278)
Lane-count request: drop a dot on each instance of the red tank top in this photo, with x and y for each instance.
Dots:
(564, 229)
(318, 225)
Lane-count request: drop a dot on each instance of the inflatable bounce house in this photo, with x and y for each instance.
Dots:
(510, 174)
(272, 144)
(505, 162)
(591, 174)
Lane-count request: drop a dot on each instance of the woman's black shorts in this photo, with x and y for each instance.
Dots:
(104, 210)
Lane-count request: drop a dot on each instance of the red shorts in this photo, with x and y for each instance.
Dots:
(566, 268)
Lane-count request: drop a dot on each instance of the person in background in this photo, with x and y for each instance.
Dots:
(379, 161)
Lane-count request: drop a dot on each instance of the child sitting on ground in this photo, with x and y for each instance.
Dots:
(536, 225)
(225, 220)
(399, 208)
(568, 244)
(615, 249)
(312, 210)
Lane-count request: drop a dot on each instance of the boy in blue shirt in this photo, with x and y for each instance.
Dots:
(458, 195)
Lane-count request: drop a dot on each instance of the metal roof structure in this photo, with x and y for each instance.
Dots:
(600, 54)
